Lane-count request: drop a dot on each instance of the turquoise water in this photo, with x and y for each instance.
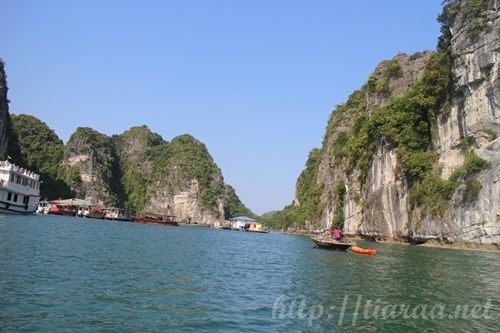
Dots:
(60, 274)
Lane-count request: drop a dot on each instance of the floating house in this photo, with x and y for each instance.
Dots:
(239, 222)
(68, 207)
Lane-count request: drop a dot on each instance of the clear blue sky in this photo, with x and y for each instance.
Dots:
(255, 80)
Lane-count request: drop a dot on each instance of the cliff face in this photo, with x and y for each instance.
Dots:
(185, 181)
(91, 154)
(414, 153)
(177, 177)
(142, 172)
(137, 170)
(132, 150)
(475, 114)
(4, 113)
(375, 196)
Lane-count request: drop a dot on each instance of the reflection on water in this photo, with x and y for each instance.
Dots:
(69, 274)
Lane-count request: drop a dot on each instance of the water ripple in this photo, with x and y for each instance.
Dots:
(66, 274)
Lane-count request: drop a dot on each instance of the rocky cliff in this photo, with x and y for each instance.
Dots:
(475, 114)
(185, 180)
(414, 153)
(137, 170)
(178, 177)
(4, 113)
(92, 155)
(132, 150)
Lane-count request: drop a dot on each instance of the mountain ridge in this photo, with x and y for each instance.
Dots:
(136, 169)
(413, 154)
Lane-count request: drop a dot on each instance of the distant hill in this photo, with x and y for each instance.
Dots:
(137, 170)
(269, 214)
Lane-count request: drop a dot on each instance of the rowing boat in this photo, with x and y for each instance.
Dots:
(328, 243)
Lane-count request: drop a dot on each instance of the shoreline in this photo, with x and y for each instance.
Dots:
(431, 243)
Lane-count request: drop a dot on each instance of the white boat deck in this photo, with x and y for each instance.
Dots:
(19, 189)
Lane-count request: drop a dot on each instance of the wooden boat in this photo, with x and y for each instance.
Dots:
(329, 243)
(55, 209)
(261, 231)
(116, 214)
(69, 210)
(153, 218)
(68, 207)
(63, 210)
(95, 212)
(360, 250)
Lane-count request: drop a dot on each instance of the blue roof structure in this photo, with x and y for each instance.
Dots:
(243, 218)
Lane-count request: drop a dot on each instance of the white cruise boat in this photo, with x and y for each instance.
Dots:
(19, 189)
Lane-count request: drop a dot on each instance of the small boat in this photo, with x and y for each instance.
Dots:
(261, 231)
(68, 207)
(116, 214)
(360, 250)
(69, 210)
(94, 212)
(63, 210)
(329, 243)
(153, 218)
(55, 209)
(43, 207)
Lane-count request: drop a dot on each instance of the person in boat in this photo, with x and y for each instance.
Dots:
(337, 234)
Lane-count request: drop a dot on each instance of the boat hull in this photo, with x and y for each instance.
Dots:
(9, 207)
(119, 219)
(95, 216)
(19, 189)
(359, 250)
(68, 213)
(155, 220)
(330, 244)
(4, 210)
(259, 231)
(175, 224)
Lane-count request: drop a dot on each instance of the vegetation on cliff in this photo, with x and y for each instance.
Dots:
(98, 165)
(176, 163)
(148, 163)
(132, 147)
(34, 145)
(233, 206)
(126, 169)
(405, 122)
(474, 11)
(308, 206)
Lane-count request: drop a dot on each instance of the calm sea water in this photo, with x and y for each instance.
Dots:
(62, 274)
